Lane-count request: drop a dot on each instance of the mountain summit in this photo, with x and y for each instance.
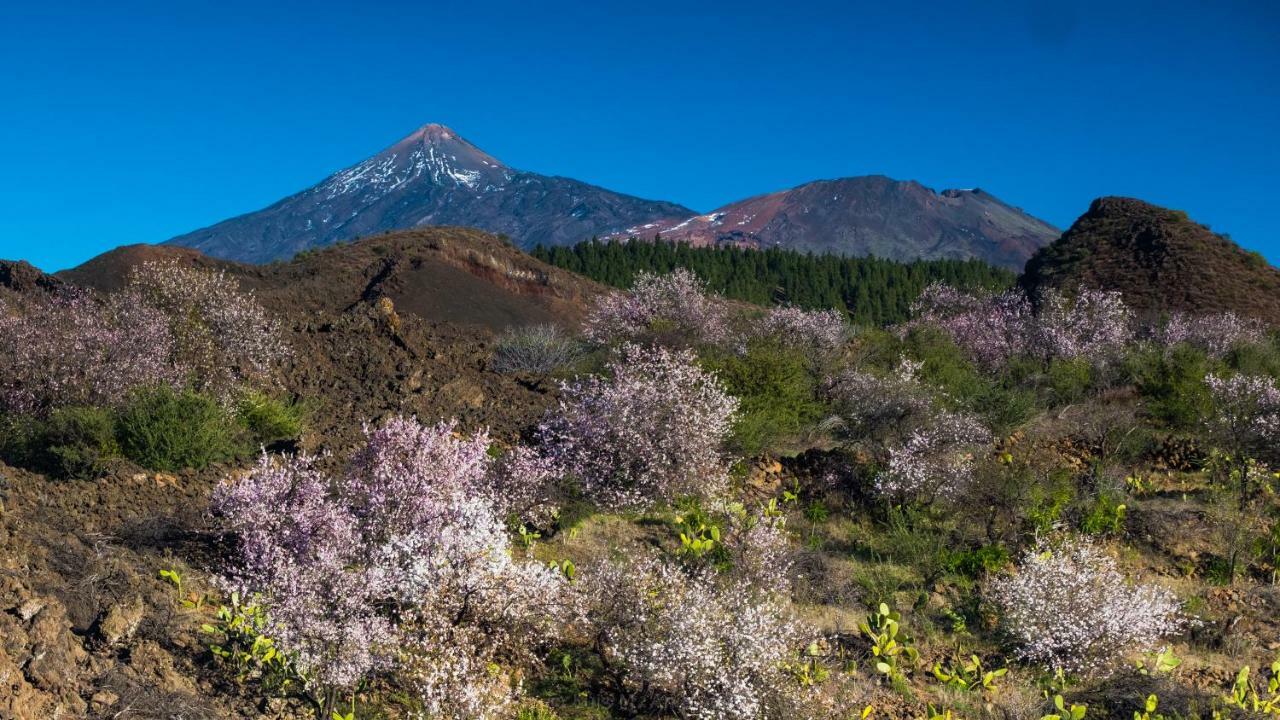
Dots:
(431, 177)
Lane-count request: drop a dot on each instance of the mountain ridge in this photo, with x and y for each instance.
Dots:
(434, 176)
(869, 215)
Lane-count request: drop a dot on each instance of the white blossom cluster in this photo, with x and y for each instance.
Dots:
(650, 432)
(1069, 608)
(936, 461)
(1248, 408)
(691, 647)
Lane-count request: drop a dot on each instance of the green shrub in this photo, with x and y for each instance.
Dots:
(1172, 384)
(979, 561)
(76, 442)
(162, 429)
(268, 419)
(18, 438)
(1002, 405)
(1069, 380)
(776, 391)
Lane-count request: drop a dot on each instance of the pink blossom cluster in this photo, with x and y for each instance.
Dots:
(688, 645)
(650, 432)
(660, 306)
(820, 334)
(879, 406)
(1070, 609)
(936, 460)
(399, 565)
(1094, 324)
(222, 335)
(760, 552)
(991, 329)
(1216, 334)
(74, 348)
(1248, 407)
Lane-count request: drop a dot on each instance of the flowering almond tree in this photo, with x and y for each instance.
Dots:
(819, 334)
(676, 304)
(1246, 420)
(1070, 609)
(173, 325)
(74, 348)
(1215, 334)
(399, 565)
(650, 432)
(993, 329)
(686, 644)
(936, 460)
(222, 336)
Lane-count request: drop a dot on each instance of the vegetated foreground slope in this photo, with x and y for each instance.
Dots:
(1080, 433)
(873, 291)
(431, 177)
(1159, 259)
(870, 215)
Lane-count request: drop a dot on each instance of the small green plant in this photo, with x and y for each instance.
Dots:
(527, 538)
(891, 649)
(175, 579)
(1161, 663)
(1105, 516)
(1065, 711)
(969, 675)
(565, 568)
(1245, 695)
(810, 671)
(241, 642)
(697, 538)
(1148, 711)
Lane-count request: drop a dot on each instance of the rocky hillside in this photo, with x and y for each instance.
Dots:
(1160, 259)
(872, 215)
(431, 177)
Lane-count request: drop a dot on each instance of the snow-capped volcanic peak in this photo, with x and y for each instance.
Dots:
(431, 153)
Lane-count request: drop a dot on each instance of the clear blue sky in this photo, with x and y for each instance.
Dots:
(132, 122)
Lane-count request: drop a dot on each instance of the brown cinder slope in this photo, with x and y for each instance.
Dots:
(1160, 260)
(441, 274)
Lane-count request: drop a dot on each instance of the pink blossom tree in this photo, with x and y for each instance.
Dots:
(675, 306)
(1245, 422)
(399, 565)
(693, 646)
(223, 337)
(650, 432)
(1216, 334)
(75, 348)
(820, 334)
